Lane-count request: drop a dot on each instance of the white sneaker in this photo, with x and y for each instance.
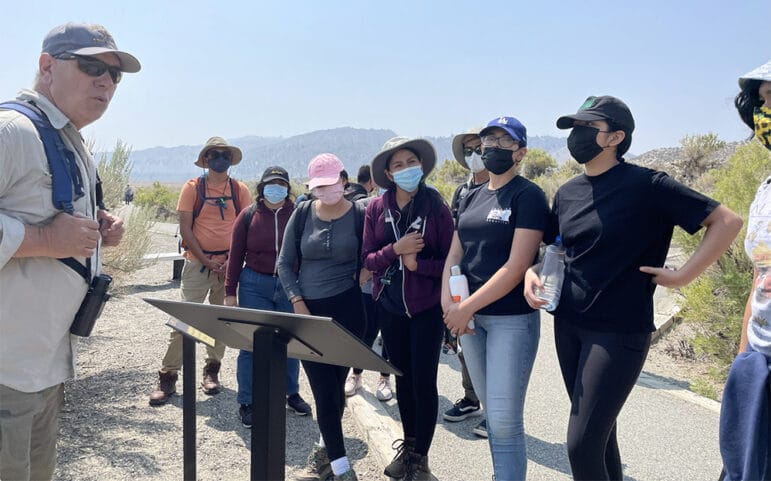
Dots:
(383, 392)
(352, 384)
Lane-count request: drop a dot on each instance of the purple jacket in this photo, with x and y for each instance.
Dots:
(423, 287)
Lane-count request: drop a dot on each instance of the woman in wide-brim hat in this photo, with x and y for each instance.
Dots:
(407, 234)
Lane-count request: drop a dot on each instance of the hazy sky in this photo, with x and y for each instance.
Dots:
(416, 67)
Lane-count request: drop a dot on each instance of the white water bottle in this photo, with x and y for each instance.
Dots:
(552, 275)
(459, 288)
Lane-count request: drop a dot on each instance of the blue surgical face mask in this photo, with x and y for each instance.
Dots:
(275, 193)
(409, 178)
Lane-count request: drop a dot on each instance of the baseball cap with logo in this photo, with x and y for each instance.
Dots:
(87, 39)
(324, 169)
(604, 107)
(274, 173)
(512, 127)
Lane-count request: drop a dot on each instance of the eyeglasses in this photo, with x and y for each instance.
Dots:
(468, 151)
(504, 141)
(93, 67)
(225, 154)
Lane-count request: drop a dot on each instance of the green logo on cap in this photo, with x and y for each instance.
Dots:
(588, 103)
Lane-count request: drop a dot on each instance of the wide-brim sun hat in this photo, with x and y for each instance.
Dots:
(218, 143)
(422, 147)
(457, 144)
(762, 73)
(324, 169)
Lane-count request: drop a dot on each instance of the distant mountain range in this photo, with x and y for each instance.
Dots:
(355, 147)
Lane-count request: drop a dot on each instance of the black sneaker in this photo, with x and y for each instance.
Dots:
(245, 413)
(462, 409)
(297, 404)
(481, 429)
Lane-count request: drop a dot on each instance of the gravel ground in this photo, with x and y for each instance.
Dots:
(108, 430)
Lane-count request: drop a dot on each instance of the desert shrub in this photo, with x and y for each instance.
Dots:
(537, 162)
(716, 300)
(114, 171)
(161, 200)
(127, 257)
(447, 178)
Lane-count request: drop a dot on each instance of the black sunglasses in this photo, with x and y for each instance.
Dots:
(225, 154)
(93, 67)
(467, 151)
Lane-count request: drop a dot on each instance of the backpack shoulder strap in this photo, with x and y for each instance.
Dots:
(234, 191)
(303, 208)
(67, 182)
(200, 198)
(360, 209)
(248, 214)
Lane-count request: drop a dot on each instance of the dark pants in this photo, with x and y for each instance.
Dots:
(468, 387)
(373, 326)
(599, 369)
(413, 347)
(327, 381)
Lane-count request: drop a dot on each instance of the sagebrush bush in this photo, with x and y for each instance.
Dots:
(114, 172)
(159, 199)
(716, 300)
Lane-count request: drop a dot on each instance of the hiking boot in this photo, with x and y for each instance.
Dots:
(417, 468)
(245, 413)
(481, 429)
(211, 383)
(346, 476)
(462, 409)
(383, 392)
(398, 467)
(318, 467)
(167, 385)
(352, 384)
(297, 404)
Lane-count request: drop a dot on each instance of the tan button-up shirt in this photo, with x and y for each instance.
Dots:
(39, 296)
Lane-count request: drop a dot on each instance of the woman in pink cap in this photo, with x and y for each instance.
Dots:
(323, 237)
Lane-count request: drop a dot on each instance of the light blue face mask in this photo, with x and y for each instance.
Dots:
(275, 193)
(409, 178)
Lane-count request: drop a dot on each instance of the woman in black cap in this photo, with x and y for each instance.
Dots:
(616, 222)
(253, 273)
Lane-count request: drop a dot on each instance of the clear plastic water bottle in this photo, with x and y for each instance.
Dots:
(459, 288)
(552, 275)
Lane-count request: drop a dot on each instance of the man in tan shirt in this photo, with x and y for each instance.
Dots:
(78, 71)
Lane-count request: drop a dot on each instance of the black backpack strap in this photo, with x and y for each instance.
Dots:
(360, 209)
(234, 195)
(248, 214)
(200, 198)
(302, 216)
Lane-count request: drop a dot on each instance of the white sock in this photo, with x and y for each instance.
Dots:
(321, 442)
(340, 465)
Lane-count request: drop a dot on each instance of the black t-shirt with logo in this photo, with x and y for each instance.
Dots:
(612, 224)
(486, 222)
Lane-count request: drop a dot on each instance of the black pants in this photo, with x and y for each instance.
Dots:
(373, 326)
(327, 381)
(413, 347)
(599, 369)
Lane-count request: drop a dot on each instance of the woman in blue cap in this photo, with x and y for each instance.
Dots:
(500, 226)
(616, 222)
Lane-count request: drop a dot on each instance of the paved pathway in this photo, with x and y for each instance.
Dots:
(665, 432)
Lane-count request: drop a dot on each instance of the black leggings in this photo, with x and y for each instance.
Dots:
(373, 326)
(599, 369)
(327, 381)
(413, 347)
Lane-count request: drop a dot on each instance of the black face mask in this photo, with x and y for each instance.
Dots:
(497, 161)
(582, 143)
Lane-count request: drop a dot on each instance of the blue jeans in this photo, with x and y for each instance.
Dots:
(504, 348)
(261, 291)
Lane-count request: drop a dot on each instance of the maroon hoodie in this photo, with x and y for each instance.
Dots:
(257, 246)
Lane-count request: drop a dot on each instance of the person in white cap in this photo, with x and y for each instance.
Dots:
(745, 428)
(78, 72)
